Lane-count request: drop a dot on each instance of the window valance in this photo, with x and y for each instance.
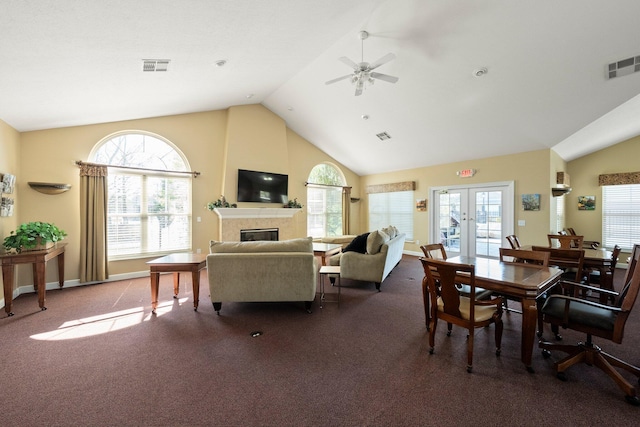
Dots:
(390, 188)
(619, 178)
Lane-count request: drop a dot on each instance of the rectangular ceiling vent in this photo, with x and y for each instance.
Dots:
(383, 136)
(155, 64)
(623, 67)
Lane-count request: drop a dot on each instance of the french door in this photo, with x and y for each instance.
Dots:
(472, 220)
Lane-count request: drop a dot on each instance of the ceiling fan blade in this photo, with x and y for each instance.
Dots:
(349, 62)
(385, 77)
(388, 57)
(338, 79)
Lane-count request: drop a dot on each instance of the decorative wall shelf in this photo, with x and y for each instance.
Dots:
(49, 187)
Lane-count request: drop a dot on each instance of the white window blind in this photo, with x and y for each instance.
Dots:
(394, 208)
(559, 213)
(621, 215)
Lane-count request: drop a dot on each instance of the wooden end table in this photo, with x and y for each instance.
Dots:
(39, 260)
(326, 250)
(175, 263)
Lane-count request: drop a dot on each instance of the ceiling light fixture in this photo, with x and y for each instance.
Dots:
(480, 72)
(221, 63)
(365, 117)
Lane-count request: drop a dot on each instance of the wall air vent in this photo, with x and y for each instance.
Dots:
(623, 67)
(383, 136)
(155, 64)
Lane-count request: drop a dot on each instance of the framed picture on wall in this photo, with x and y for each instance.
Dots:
(531, 202)
(586, 203)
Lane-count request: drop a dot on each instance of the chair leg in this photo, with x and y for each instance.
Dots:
(432, 334)
(498, 336)
(470, 350)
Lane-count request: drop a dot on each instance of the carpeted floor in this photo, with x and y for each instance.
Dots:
(97, 357)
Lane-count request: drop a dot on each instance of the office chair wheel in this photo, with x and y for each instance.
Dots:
(561, 376)
(633, 400)
(546, 353)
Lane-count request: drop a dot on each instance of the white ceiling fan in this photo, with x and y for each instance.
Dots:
(363, 72)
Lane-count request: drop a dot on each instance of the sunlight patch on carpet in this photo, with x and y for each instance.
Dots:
(105, 323)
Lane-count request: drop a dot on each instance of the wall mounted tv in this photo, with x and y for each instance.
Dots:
(262, 187)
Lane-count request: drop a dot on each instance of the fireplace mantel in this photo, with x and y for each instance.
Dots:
(239, 213)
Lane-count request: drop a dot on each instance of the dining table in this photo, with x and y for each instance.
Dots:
(520, 282)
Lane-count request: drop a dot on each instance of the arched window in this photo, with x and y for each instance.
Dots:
(149, 208)
(324, 201)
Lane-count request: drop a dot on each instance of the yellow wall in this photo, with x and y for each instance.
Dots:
(529, 171)
(584, 172)
(9, 155)
(215, 143)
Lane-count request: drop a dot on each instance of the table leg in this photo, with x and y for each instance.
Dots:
(155, 285)
(7, 283)
(529, 322)
(61, 269)
(39, 283)
(176, 284)
(195, 280)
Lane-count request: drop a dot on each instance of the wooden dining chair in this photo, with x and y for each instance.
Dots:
(565, 241)
(586, 244)
(514, 241)
(603, 277)
(448, 305)
(595, 319)
(531, 258)
(437, 251)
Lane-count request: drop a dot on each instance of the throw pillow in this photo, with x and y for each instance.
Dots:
(375, 241)
(358, 244)
(391, 231)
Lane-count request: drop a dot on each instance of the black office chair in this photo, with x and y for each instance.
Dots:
(597, 319)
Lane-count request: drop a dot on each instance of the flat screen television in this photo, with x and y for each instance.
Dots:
(262, 187)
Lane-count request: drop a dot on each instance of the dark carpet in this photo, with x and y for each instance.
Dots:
(97, 357)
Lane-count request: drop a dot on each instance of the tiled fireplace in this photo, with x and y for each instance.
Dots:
(233, 220)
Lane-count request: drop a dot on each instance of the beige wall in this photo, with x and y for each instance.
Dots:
(215, 143)
(9, 163)
(584, 172)
(529, 172)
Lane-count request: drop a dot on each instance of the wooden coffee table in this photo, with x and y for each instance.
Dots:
(175, 263)
(325, 250)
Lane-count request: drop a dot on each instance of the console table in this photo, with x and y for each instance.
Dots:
(39, 260)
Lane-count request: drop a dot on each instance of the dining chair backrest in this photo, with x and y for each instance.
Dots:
(537, 259)
(514, 241)
(633, 264)
(434, 251)
(569, 260)
(564, 241)
(444, 285)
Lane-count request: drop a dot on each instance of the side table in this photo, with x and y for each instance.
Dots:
(326, 270)
(175, 263)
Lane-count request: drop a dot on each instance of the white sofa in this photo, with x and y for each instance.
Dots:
(383, 253)
(262, 271)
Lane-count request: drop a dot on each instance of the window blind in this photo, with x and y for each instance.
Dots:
(394, 208)
(621, 215)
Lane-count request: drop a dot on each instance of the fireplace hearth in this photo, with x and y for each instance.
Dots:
(268, 234)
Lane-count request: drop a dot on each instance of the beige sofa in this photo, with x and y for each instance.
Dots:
(383, 253)
(262, 272)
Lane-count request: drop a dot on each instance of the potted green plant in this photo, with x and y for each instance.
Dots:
(33, 236)
(293, 204)
(220, 203)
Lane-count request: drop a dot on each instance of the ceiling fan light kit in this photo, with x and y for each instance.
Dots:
(363, 72)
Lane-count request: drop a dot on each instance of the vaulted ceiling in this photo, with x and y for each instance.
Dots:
(66, 63)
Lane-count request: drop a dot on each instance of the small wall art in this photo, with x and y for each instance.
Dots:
(421, 204)
(531, 202)
(586, 203)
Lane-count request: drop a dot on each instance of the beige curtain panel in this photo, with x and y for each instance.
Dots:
(346, 210)
(93, 223)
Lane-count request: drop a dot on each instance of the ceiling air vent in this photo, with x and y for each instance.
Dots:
(155, 64)
(623, 67)
(383, 136)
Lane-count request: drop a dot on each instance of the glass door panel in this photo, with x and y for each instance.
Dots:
(488, 223)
